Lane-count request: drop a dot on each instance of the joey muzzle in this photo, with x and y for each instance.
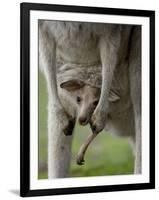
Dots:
(83, 121)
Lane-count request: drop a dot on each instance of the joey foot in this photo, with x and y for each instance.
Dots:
(80, 157)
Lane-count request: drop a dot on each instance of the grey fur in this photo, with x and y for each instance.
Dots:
(116, 49)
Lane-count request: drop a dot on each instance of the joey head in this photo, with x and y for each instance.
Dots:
(86, 98)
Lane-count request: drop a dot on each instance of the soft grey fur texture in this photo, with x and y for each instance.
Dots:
(116, 49)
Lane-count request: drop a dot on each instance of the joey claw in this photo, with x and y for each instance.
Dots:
(68, 130)
(93, 128)
(80, 161)
(98, 121)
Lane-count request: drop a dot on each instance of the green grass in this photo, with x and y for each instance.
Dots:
(107, 155)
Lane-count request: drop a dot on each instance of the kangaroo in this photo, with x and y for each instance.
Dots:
(78, 46)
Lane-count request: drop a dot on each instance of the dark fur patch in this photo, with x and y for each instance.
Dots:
(69, 129)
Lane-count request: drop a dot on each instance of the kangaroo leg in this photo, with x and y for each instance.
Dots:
(109, 58)
(83, 149)
(113, 51)
(47, 61)
(135, 91)
(58, 121)
(59, 147)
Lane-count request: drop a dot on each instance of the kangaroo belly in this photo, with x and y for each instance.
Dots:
(80, 55)
(76, 42)
(78, 50)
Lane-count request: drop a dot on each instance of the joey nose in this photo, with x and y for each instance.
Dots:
(83, 120)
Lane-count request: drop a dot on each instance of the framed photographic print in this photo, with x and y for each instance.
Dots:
(87, 99)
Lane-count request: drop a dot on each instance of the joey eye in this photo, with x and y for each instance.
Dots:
(95, 103)
(79, 99)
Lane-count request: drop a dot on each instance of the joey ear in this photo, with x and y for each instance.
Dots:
(113, 96)
(72, 85)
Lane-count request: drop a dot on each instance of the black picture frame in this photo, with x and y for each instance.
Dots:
(25, 9)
